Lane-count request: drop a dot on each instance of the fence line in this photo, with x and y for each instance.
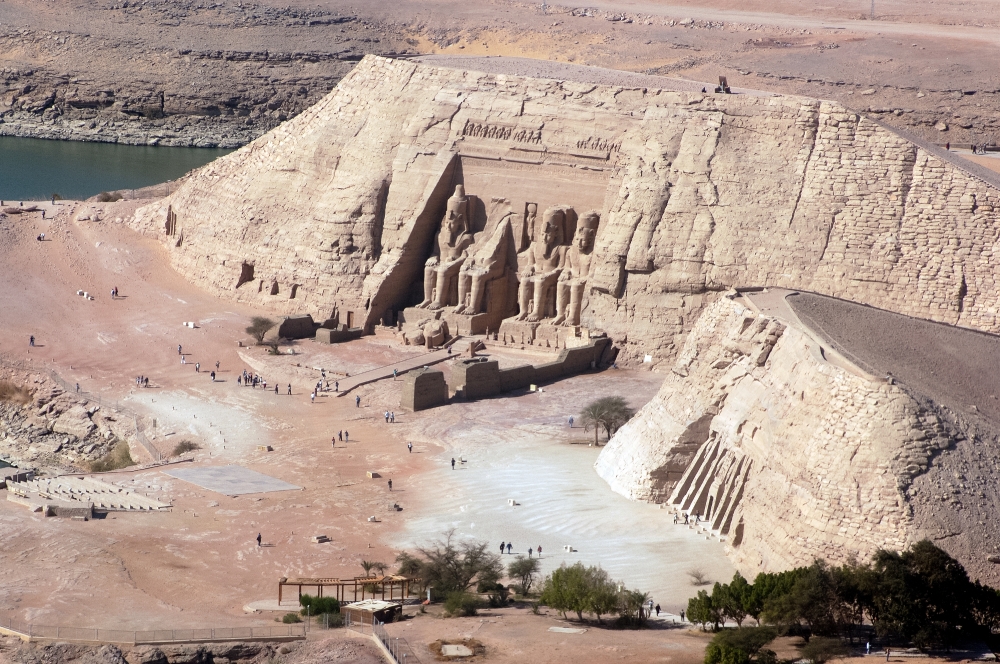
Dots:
(31, 631)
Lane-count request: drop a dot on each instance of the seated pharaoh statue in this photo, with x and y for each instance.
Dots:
(487, 261)
(543, 262)
(575, 271)
(450, 251)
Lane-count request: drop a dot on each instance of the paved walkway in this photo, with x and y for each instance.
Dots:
(401, 367)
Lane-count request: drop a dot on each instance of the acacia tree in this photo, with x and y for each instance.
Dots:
(449, 566)
(259, 325)
(524, 570)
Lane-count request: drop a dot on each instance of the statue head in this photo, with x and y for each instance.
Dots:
(552, 226)
(587, 231)
(456, 216)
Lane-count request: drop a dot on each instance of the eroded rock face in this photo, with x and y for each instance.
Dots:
(335, 211)
(787, 456)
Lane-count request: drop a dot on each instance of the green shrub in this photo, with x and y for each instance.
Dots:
(14, 393)
(119, 457)
(461, 603)
(186, 446)
(820, 650)
(105, 197)
(739, 646)
(291, 618)
(315, 606)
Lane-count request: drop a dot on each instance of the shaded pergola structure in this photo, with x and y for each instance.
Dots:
(352, 590)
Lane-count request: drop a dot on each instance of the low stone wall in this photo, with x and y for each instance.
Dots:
(478, 379)
(423, 388)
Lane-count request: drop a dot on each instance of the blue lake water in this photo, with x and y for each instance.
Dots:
(34, 169)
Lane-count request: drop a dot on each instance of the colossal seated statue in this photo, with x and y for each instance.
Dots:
(487, 261)
(450, 251)
(575, 271)
(543, 262)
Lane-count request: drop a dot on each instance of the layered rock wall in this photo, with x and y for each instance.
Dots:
(787, 455)
(338, 207)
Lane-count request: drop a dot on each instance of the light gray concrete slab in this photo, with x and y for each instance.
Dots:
(231, 480)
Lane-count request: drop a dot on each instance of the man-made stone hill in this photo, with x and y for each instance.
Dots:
(790, 452)
(335, 212)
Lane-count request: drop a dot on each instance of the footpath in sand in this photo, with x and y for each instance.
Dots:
(199, 564)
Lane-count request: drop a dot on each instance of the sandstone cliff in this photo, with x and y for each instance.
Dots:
(698, 193)
(792, 453)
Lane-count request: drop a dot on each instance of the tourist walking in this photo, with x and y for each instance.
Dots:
(347, 436)
(179, 349)
(336, 386)
(392, 417)
(502, 545)
(31, 341)
(386, 417)
(258, 539)
(276, 388)
(868, 647)
(340, 435)
(216, 365)
(289, 389)
(509, 547)
(390, 485)
(78, 387)
(213, 376)
(357, 401)
(570, 421)
(394, 374)
(657, 610)
(530, 550)
(539, 550)
(333, 441)
(453, 463)
(312, 397)
(409, 446)
(197, 367)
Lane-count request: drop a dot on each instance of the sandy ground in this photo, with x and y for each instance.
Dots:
(198, 565)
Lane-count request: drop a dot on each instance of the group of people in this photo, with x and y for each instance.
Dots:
(142, 381)
(341, 436)
(687, 519)
(510, 547)
(255, 380)
(114, 292)
(390, 417)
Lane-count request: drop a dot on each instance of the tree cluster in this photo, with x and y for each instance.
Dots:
(608, 413)
(921, 596)
(448, 566)
(580, 590)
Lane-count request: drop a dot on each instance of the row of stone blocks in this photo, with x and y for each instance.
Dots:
(476, 379)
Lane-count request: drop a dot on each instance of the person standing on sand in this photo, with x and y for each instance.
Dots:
(502, 545)
(336, 386)
(390, 485)
(509, 547)
(312, 397)
(657, 610)
(453, 463)
(276, 389)
(333, 442)
(347, 436)
(239, 380)
(179, 349)
(409, 446)
(216, 362)
(258, 539)
(31, 341)
(183, 360)
(289, 389)
(530, 551)
(357, 401)
(539, 550)
(340, 435)
(394, 374)
(213, 376)
(197, 367)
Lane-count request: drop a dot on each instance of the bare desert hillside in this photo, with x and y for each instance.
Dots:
(223, 73)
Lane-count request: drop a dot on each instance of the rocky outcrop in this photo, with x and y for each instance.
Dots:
(56, 430)
(335, 211)
(787, 455)
(789, 452)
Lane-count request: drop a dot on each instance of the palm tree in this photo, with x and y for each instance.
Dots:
(607, 412)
